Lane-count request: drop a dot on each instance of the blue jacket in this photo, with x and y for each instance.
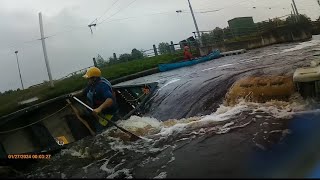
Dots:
(97, 94)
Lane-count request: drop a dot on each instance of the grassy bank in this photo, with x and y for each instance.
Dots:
(9, 102)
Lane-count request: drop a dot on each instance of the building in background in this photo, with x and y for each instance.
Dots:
(242, 26)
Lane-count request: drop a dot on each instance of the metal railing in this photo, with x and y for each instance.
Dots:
(81, 71)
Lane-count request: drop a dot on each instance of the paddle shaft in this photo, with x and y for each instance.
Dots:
(122, 129)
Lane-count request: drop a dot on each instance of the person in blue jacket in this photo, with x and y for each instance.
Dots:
(101, 97)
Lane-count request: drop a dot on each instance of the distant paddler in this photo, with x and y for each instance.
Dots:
(187, 54)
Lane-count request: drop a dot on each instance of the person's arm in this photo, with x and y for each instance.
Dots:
(106, 94)
(107, 103)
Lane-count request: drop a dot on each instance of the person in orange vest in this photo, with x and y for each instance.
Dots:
(187, 53)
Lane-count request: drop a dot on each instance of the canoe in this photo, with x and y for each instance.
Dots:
(51, 125)
(167, 67)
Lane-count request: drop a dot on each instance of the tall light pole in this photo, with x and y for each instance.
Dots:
(16, 52)
(195, 23)
(45, 50)
(295, 13)
(296, 9)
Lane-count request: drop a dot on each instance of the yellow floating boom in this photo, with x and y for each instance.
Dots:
(260, 89)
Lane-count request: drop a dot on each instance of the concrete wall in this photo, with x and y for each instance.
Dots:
(279, 35)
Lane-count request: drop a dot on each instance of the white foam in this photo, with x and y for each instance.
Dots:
(140, 122)
(222, 115)
(162, 175)
(125, 171)
(105, 168)
(219, 122)
(171, 130)
(228, 125)
(63, 176)
(170, 82)
(85, 168)
(172, 159)
(302, 45)
(208, 69)
(75, 153)
(119, 146)
(226, 65)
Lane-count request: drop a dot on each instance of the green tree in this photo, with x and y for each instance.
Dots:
(206, 39)
(227, 33)
(291, 19)
(136, 54)
(218, 34)
(100, 61)
(304, 19)
(125, 57)
(144, 53)
(112, 60)
(164, 48)
(8, 92)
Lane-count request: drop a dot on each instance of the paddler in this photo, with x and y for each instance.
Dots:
(187, 54)
(101, 97)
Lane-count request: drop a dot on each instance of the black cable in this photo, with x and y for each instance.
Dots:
(139, 16)
(70, 30)
(117, 12)
(107, 10)
(214, 10)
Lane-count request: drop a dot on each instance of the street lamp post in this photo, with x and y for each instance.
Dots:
(196, 25)
(16, 52)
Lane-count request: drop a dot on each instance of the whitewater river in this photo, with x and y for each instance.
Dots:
(189, 132)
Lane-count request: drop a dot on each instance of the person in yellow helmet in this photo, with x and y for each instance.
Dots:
(100, 96)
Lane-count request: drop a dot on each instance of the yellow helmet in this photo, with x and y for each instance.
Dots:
(92, 72)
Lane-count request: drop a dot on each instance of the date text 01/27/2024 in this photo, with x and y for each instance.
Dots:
(29, 156)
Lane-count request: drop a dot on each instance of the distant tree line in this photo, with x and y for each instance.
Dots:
(9, 91)
(134, 55)
(163, 48)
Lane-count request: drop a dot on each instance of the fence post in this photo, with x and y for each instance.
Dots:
(263, 43)
(172, 47)
(155, 50)
(223, 36)
(115, 56)
(95, 62)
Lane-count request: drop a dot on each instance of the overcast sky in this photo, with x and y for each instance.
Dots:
(73, 47)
